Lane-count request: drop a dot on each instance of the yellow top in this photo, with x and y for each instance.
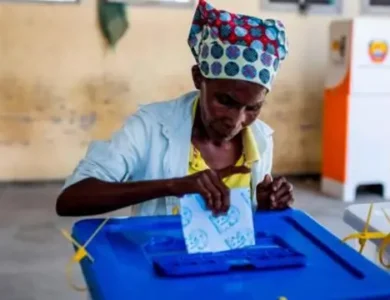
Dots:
(249, 156)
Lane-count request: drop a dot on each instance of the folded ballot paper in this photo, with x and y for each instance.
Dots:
(205, 233)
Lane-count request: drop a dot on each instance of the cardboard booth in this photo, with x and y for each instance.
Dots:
(356, 128)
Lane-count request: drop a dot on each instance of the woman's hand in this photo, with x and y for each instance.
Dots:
(209, 184)
(274, 193)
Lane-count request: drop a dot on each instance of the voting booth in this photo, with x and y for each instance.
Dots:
(356, 128)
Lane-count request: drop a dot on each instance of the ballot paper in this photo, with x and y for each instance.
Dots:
(205, 233)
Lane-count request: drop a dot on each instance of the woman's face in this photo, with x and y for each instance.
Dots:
(227, 106)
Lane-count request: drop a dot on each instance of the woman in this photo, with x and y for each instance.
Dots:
(207, 141)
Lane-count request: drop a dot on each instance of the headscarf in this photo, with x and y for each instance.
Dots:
(234, 46)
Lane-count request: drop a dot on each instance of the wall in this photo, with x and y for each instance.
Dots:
(60, 88)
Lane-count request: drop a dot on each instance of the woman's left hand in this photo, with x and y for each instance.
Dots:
(274, 193)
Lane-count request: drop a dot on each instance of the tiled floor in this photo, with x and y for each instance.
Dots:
(33, 253)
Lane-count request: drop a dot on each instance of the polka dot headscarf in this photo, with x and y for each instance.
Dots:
(233, 46)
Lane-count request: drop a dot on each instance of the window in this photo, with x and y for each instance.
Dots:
(172, 3)
(313, 6)
(376, 6)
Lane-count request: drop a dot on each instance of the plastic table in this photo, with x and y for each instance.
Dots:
(356, 215)
(294, 257)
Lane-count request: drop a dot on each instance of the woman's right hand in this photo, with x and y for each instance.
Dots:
(209, 184)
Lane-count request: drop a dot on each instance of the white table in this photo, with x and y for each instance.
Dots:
(356, 216)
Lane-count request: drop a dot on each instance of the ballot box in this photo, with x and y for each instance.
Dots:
(356, 123)
(294, 258)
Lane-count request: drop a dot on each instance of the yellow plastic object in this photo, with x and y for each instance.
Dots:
(366, 235)
(80, 254)
(175, 210)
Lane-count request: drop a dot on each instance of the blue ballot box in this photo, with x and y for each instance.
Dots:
(294, 257)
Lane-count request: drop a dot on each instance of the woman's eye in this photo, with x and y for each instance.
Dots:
(253, 108)
(223, 100)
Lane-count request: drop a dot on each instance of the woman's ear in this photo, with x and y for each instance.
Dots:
(197, 76)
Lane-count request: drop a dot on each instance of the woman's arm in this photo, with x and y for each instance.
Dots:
(101, 181)
(92, 196)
